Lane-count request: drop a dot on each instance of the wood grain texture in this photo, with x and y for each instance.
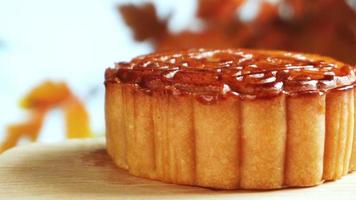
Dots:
(81, 169)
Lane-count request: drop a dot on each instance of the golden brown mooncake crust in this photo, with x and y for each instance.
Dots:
(232, 118)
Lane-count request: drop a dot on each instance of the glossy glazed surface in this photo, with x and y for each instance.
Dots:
(214, 74)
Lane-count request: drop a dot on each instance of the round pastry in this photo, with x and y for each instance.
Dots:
(233, 118)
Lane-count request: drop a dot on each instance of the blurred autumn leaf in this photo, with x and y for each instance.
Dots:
(144, 21)
(325, 27)
(37, 103)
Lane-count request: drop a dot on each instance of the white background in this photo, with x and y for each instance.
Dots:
(70, 40)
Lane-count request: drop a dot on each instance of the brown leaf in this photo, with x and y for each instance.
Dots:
(143, 21)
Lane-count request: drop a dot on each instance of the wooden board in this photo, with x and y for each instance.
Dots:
(81, 169)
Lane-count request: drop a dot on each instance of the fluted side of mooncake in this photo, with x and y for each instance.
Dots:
(268, 143)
